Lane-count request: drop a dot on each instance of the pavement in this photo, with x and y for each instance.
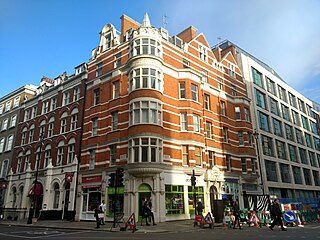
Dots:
(171, 226)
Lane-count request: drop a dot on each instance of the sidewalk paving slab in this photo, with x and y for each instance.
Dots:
(171, 226)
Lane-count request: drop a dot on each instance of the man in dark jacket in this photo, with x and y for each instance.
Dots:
(277, 215)
(96, 215)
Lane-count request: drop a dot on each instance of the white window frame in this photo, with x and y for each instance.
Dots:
(145, 149)
(194, 92)
(184, 121)
(115, 121)
(76, 94)
(145, 112)
(92, 158)
(9, 143)
(196, 123)
(116, 89)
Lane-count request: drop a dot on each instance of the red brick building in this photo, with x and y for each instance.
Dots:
(160, 107)
(55, 113)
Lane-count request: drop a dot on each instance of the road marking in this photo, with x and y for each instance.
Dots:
(41, 234)
(11, 235)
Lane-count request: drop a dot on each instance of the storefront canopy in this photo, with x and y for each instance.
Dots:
(36, 190)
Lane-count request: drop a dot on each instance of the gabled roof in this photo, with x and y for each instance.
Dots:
(202, 39)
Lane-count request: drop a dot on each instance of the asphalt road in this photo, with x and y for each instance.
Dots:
(310, 231)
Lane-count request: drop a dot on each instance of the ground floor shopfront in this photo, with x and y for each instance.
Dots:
(53, 194)
(168, 187)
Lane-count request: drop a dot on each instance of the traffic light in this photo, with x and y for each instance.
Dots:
(193, 179)
(120, 177)
(112, 180)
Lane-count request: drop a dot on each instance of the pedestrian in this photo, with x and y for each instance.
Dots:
(236, 214)
(199, 207)
(150, 213)
(103, 210)
(96, 215)
(145, 211)
(276, 214)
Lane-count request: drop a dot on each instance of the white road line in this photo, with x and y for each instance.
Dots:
(42, 236)
(62, 233)
(11, 235)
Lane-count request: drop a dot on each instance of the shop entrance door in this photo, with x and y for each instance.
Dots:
(66, 202)
(144, 193)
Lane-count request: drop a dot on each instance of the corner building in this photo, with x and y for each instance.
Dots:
(160, 107)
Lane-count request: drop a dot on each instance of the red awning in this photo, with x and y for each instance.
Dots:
(36, 190)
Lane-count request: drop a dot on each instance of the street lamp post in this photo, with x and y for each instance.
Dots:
(256, 136)
(33, 210)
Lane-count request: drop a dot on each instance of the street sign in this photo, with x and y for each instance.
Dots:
(289, 216)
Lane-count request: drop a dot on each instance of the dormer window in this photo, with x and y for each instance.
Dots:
(80, 69)
(231, 70)
(164, 33)
(178, 42)
(108, 40)
(203, 53)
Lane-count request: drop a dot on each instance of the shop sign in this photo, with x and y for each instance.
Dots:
(111, 190)
(68, 177)
(91, 179)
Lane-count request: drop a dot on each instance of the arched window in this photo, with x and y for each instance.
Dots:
(19, 163)
(60, 154)
(13, 121)
(56, 199)
(4, 168)
(42, 128)
(27, 160)
(31, 133)
(24, 136)
(20, 196)
(51, 127)
(74, 119)
(47, 155)
(14, 197)
(71, 150)
(9, 143)
(1, 145)
(63, 125)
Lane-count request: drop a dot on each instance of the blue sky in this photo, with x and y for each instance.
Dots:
(45, 38)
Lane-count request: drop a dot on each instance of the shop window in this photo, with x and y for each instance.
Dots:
(91, 199)
(198, 190)
(117, 199)
(56, 198)
(174, 199)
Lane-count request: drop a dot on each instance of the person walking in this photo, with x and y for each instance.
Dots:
(103, 210)
(199, 207)
(276, 214)
(150, 213)
(145, 211)
(96, 215)
(236, 214)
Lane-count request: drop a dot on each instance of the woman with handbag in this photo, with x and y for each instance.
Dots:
(236, 214)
